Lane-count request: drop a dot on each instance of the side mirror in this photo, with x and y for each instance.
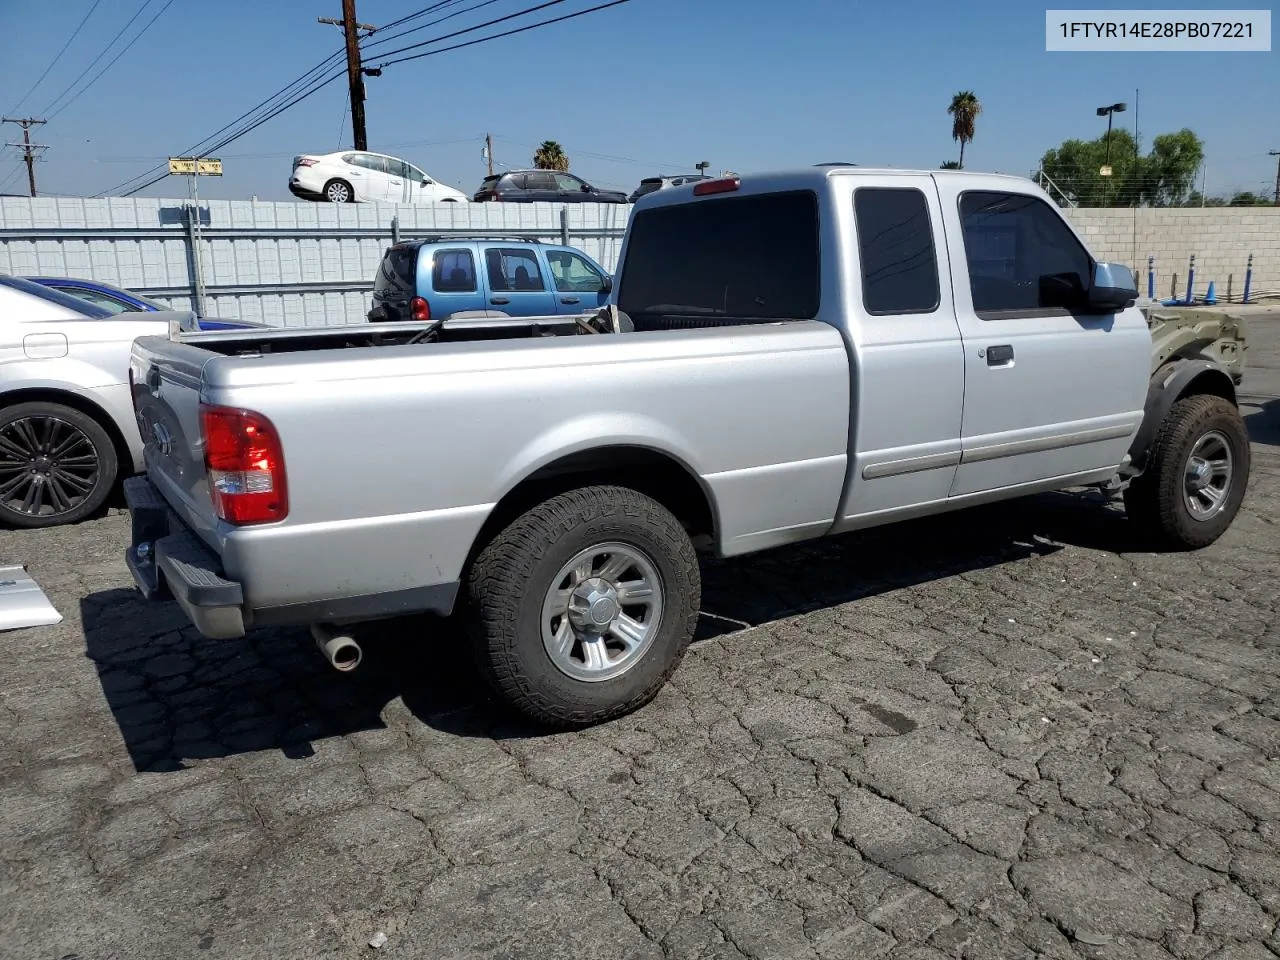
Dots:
(587, 188)
(426, 181)
(1113, 288)
(606, 285)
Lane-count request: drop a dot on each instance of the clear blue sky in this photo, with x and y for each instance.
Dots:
(648, 87)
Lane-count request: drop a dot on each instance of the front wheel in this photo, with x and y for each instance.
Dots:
(583, 607)
(57, 465)
(1196, 474)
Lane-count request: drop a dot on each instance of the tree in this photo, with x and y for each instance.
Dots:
(1171, 167)
(1196, 199)
(950, 165)
(964, 112)
(551, 156)
(1163, 178)
(1247, 198)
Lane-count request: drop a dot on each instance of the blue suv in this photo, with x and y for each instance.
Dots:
(438, 277)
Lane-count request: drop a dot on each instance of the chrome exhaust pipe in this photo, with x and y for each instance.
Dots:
(340, 649)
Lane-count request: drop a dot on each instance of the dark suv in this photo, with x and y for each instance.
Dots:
(547, 186)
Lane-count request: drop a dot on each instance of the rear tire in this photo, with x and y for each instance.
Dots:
(581, 609)
(57, 465)
(1196, 475)
(339, 191)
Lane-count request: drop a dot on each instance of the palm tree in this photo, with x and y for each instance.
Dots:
(551, 156)
(950, 165)
(964, 112)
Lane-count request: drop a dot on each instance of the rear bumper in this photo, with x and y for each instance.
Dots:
(304, 193)
(169, 562)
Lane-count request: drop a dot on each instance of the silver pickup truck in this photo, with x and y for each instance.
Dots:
(786, 356)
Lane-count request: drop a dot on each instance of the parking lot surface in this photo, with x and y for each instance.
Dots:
(1007, 733)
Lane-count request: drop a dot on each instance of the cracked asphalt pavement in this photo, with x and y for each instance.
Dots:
(1011, 733)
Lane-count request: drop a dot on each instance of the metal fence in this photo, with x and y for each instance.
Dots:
(284, 263)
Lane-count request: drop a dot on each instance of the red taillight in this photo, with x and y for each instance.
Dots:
(245, 463)
(726, 185)
(419, 309)
(306, 162)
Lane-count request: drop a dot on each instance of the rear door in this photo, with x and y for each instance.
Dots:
(540, 185)
(579, 283)
(451, 272)
(516, 282)
(399, 189)
(370, 177)
(1049, 387)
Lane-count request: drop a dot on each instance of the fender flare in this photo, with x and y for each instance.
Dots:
(1167, 386)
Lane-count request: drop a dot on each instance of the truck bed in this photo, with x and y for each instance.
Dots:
(396, 452)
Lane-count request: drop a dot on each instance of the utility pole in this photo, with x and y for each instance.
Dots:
(28, 148)
(355, 79)
(1270, 153)
(488, 151)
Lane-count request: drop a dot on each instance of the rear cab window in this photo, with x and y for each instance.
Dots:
(742, 258)
(896, 252)
(1023, 260)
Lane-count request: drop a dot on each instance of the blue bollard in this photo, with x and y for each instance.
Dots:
(1191, 278)
(1151, 278)
(1248, 279)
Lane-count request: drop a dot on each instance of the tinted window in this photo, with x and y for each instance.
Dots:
(513, 269)
(742, 257)
(540, 181)
(101, 299)
(1021, 256)
(454, 271)
(572, 273)
(397, 274)
(566, 182)
(895, 248)
(65, 300)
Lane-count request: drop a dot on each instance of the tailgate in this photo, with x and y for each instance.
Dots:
(164, 377)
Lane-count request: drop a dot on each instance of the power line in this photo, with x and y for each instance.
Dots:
(508, 33)
(421, 13)
(429, 23)
(93, 63)
(58, 56)
(286, 90)
(113, 61)
(458, 33)
(248, 128)
(319, 84)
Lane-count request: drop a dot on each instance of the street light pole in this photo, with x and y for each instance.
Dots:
(1276, 153)
(1108, 112)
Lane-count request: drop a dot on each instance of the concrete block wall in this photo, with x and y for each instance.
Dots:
(1221, 238)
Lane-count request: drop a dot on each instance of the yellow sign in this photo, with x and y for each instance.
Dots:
(190, 166)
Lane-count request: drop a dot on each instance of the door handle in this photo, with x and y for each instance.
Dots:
(1000, 356)
(568, 299)
(499, 301)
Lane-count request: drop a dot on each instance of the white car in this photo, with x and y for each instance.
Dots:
(355, 176)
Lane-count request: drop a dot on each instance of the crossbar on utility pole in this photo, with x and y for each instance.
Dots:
(27, 147)
(351, 28)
